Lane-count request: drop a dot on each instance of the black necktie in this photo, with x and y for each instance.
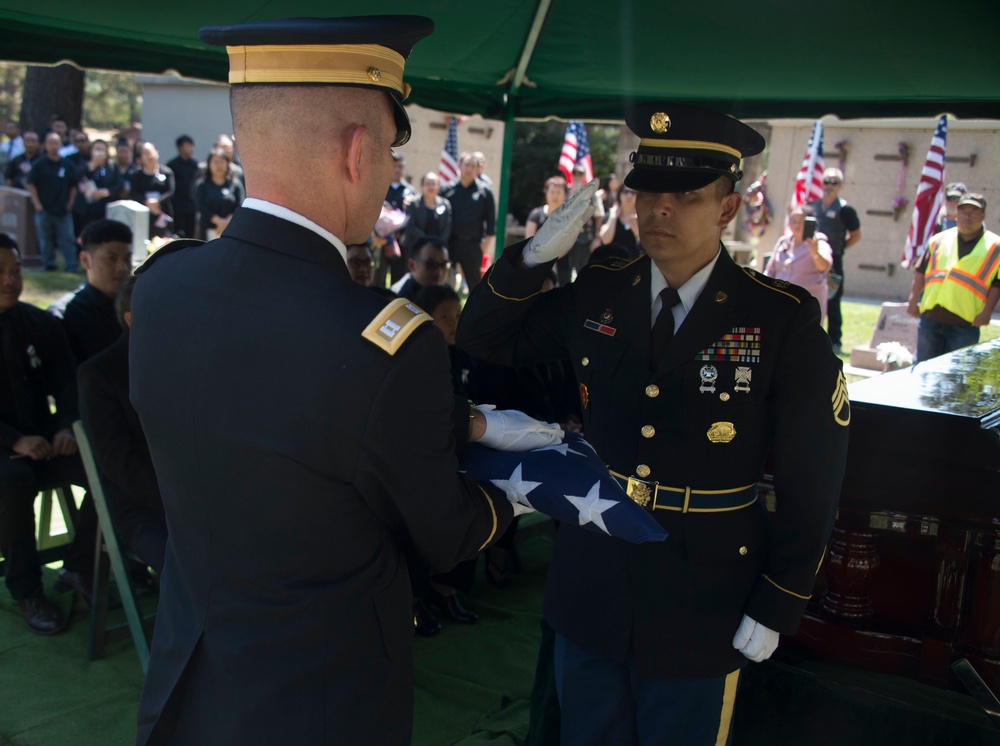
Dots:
(663, 329)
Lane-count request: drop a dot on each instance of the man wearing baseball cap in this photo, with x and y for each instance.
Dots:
(956, 283)
(948, 218)
(288, 411)
(691, 371)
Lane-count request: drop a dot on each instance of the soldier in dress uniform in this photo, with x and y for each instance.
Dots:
(287, 410)
(692, 370)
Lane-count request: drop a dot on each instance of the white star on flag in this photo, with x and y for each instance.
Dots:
(516, 488)
(592, 507)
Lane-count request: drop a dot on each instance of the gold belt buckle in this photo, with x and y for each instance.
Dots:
(641, 491)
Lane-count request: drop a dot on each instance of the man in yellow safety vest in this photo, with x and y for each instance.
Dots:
(956, 283)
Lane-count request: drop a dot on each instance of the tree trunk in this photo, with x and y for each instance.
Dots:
(50, 92)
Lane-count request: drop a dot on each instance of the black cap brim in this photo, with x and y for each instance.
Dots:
(647, 180)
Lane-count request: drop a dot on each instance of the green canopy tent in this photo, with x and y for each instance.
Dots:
(585, 59)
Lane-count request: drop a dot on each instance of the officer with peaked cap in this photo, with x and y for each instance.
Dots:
(692, 370)
(287, 410)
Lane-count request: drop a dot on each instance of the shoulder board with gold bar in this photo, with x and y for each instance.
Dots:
(169, 248)
(393, 326)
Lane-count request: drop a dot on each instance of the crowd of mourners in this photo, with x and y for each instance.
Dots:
(429, 245)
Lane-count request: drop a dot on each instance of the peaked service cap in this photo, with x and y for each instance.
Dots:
(682, 147)
(358, 51)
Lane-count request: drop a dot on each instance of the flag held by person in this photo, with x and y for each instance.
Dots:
(809, 182)
(930, 195)
(576, 153)
(567, 481)
(448, 171)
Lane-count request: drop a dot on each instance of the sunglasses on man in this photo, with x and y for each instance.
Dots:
(830, 182)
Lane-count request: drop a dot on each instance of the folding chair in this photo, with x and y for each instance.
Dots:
(109, 550)
(52, 546)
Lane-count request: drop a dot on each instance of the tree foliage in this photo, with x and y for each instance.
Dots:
(111, 100)
(537, 146)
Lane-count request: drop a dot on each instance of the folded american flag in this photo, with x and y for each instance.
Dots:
(568, 482)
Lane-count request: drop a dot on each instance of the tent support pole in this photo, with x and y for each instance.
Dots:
(504, 197)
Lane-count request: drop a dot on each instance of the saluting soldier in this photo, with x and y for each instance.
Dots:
(691, 371)
(297, 423)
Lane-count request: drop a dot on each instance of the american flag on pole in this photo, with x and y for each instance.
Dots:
(575, 152)
(448, 170)
(809, 182)
(930, 193)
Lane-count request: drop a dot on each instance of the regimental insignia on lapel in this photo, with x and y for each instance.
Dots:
(607, 317)
(741, 345)
(841, 404)
(584, 395)
(394, 324)
(596, 326)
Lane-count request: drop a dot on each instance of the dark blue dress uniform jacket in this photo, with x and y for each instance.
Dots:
(678, 604)
(289, 450)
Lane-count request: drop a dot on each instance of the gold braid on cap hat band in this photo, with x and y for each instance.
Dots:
(351, 64)
(690, 145)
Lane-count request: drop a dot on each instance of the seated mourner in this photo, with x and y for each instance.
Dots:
(120, 446)
(37, 448)
(88, 314)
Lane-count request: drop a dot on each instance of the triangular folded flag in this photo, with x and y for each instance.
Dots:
(567, 481)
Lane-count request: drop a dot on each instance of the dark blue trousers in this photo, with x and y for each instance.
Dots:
(604, 702)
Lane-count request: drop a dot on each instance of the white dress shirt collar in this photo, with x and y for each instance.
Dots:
(688, 292)
(291, 216)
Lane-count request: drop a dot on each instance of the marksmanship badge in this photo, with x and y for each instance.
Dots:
(743, 379)
(709, 374)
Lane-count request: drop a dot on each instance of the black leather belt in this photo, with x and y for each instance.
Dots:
(655, 496)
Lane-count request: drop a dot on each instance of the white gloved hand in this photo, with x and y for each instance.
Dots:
(754, 640)
(511, 430)
(561, 229)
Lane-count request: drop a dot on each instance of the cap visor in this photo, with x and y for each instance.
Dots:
(677, 180)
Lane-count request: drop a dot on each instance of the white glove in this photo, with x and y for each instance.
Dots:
(561, 229)
(511, 430)
(754, 640)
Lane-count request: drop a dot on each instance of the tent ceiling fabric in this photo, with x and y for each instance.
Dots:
(769, 59)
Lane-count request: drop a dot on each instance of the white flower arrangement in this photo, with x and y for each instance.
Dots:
(893, 355)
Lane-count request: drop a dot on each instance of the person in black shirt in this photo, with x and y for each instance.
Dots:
(430, 215)
(185, 170)
(52, 184)
(88, 314)
(217, 196)
(20, 166)
(153, 185)
(126, 166)
(37, 448)
(429, 265)
(99, 184)
(473, 225)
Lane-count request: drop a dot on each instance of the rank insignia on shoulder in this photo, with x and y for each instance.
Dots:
(168, 248)
(741, 345)
(394, 324)
(841, 404)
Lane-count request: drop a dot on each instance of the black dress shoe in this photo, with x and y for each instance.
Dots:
(425, 624)
(453, 609)
(41, 614)
(72, 581)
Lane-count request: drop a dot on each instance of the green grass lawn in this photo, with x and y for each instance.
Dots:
(42, 288)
